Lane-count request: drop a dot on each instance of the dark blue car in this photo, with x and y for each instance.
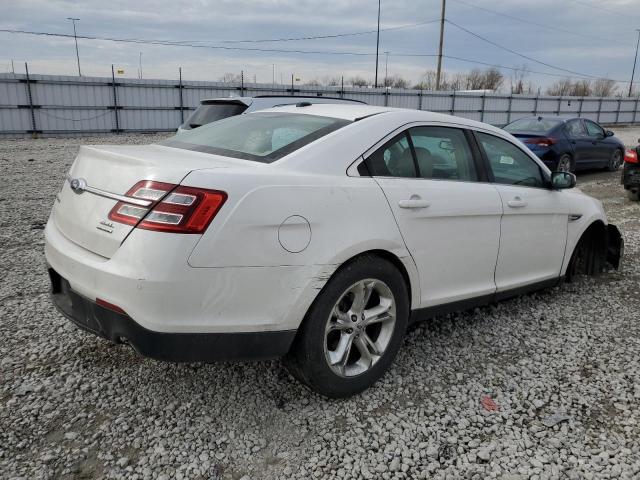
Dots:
(569, 144)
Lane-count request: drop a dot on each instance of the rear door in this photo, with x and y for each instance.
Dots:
(533, 230)
(448, 216)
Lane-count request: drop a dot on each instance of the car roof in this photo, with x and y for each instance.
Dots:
(267, 100)
(548, 117)
(354, 113)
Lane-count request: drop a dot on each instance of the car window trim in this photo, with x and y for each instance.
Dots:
(485, 158)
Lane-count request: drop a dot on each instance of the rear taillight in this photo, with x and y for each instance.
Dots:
(172, 208)
(631, 156)
(541, 141)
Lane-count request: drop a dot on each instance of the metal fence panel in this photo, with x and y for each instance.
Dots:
(77, 105)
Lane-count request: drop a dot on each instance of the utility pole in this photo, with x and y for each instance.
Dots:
(634, 62)
(140, 62)
(375, 84)
(75, 36)
(386, 68)
(442, 20)
(13, 69)
(273, 73)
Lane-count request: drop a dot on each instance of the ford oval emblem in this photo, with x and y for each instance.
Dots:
(78, 185)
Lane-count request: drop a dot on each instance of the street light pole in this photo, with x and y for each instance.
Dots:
(442, 19)
(75, 36)
(386, 68)
(635, 59)
(377, 46)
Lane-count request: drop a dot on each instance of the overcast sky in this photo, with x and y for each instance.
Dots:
(603, 43)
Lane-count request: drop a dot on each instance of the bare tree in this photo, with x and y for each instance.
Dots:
(313, 83)
(604, 87)
(518, 80)
(231, 78)
(428, 80)
(492, 79)
(332, 81)
(581, 88)
(395, 81)
(561, 87)
(358, 81)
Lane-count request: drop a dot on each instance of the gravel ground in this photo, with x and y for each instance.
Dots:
(544, 386)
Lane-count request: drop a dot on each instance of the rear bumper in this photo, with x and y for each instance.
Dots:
(173, 347)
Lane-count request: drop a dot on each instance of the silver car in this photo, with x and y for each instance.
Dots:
(213, 109)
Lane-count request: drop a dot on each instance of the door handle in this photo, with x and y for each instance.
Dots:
(517, 202)
(414, 202)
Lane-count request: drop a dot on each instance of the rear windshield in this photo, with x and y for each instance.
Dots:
(208, 113)
(262, 137)
(536, 124)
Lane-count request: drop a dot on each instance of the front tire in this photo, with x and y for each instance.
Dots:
(615, 161)
(353, 330)
(634, 196)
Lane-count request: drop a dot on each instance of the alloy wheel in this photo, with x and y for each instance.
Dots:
(616, 160)
(360, 327)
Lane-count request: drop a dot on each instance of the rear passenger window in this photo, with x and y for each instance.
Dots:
(393, 159)
(575, 129)
(443, 153)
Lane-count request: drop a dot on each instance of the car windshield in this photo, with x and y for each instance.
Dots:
(262, 137)
(537, 124)
(210, 112)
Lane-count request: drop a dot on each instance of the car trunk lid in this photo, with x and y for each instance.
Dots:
(102, 175)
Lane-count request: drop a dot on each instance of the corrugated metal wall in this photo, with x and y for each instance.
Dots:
(53, 105)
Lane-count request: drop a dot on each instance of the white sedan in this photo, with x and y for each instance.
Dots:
(311, 232)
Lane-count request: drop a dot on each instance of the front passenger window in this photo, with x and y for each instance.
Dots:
(509, 164)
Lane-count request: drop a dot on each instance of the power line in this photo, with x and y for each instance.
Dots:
(531, 22)
(170, 43)
(182, 44)
(600, 8)
(502, 47)
(337, 35)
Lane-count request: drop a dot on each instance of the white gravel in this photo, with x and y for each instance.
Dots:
(542, 387)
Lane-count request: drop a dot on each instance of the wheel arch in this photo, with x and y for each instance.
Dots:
(595, 237)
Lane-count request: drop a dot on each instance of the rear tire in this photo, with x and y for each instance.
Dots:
(564, 164)
(342, 348)
(615, 161)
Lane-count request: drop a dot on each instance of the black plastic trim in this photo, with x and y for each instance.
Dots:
(171, 347)
(427, 313)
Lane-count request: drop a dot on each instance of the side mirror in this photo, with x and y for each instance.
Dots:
(608, 133)
(562, 180)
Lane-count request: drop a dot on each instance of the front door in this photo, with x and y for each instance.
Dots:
(534, 224)
(449, 218)
(601, 149)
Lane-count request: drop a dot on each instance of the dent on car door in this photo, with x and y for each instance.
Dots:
(534, 224)
(450, 222)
